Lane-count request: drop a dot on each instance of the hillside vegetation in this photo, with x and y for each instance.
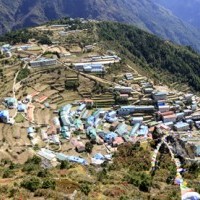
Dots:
(155, 56)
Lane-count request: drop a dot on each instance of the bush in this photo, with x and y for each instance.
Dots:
(85, 188)
(30, 167)
(139, 179)
(64, 164)
(43, 173)
(32, 183)
(49, 183)
(7, 173)
(34, 160)
(88, 147)
(102, 175)
(44, 40)
(32, 164)
(24, 73)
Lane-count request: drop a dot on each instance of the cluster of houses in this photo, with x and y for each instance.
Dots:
(126, 123)
(11, 103)
(6, 50)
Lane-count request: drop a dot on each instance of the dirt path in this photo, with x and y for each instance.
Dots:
(183, 187)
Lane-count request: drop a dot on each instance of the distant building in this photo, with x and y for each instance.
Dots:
(143, 131)
(126, 110)
(159, 96)
(90, 68)
(196, 116)
(129, 76)
(144, 109)
(6, 48)
(163, 108)
(121, 129)
(188, 97)
(135, 129)
(135, 120)
(21, 107)
(148, 90)
(197, 151)
(43, 62)
(11, 102)
(122, 89)
(4, 116)
(181, 126)
(117, 141)
(169, 118)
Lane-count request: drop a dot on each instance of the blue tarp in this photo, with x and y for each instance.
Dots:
(110, 136)
(99, 156)
(30, 130)
(21, 107)
(4, 113)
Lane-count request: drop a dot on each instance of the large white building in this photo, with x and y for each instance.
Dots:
(90, 68)
(43, 62)
(122, 89)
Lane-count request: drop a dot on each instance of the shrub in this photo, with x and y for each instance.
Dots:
(88, 147)
(85, 188)
(102, 175)
(49, 183)
(64, 164)
(44, 40)
(139, 179)
(32, 183)
(34, 160)
(24, 73)
(43, 173)
(7, 173)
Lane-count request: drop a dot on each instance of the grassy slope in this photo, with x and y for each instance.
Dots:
(152, 54)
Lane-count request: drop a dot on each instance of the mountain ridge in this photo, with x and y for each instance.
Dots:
(145, 14)
(188, 11)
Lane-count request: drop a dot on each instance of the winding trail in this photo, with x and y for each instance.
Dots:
(14, 84)
(185, 191)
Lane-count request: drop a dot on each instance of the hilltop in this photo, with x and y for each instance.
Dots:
(144, 13)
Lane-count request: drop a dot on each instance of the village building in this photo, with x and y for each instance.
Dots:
(196, 116)
(163, 108)
(42, 62)
(135, 120)
(123, 89)
(121, 129)
(4, 116)
(129, 76)
(135, 129)
(169, 118)
(181, 126)
(159, 96)
(90, 68)
(144, 109)
(148, 90)
(11, 102)
(125, 110)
